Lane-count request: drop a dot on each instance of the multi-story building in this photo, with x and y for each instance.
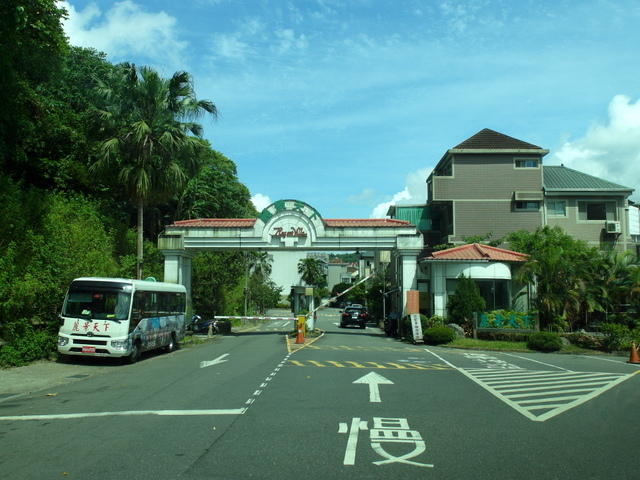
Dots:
(493, 184)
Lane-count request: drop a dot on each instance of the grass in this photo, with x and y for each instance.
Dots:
(471, 344)
(500, 346)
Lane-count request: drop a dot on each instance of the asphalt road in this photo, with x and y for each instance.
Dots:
(352, 404)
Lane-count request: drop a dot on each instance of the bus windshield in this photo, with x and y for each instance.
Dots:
(102, 304)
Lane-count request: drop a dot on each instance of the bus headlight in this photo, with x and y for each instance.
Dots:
(119, 344)
(62, 341)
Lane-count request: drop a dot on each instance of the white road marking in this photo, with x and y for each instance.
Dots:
(536, 361)
(70, 416)
(215, 361)
(551, 393)
(373, 380)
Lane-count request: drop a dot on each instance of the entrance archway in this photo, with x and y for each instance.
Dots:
(292, 225)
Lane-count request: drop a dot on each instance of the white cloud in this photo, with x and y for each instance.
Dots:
(287, 41)
(229, 46)
(414, 193)
(124, 31)
(260, 201)
(380, 211)
(609, 151)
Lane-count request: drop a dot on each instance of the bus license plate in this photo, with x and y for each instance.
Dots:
(88, 349)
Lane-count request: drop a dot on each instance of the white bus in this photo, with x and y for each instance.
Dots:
(116, 317)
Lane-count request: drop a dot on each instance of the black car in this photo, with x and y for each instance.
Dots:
(354, 316)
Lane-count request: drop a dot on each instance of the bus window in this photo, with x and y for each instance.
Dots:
(150, 305)
(104, 305)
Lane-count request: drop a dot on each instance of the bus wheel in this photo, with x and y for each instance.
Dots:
(134, 356)
(171, 346)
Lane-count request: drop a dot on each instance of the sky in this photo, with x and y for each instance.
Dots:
(348, 105)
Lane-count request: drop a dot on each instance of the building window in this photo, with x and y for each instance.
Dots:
(445, 170)
(526, 163)
(557, 209)
(496, 293)
(527, 206)
(597, 211)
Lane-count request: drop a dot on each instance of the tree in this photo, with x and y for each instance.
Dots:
(215, 191)
(312, 272)
(147, 135)
(258, 270)
(264, 294)
(564, 272)
(218, 282)
(465, 301)
(32, 47)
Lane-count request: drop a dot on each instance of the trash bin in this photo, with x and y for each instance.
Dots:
(224, 327)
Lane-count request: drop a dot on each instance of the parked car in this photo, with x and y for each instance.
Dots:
(354, 316)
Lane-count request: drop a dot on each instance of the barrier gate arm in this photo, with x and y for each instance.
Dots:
(333, 299)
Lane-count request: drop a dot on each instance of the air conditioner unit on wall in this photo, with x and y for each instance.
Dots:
(613, 227)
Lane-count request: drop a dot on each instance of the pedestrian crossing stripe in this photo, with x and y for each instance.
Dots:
(541, 395)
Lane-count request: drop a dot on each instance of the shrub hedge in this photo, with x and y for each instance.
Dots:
(544, 342)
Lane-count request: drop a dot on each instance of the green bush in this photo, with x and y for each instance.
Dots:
(25, 344)
(439, 335)
(618, 336)
(583, 340)
(436, 321)
(544, 342)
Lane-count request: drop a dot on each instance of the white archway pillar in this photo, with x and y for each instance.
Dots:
(409, 247)
(177, 268)
(409, 275)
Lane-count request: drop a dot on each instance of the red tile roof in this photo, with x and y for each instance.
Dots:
(477, 251)
(249, 222)
(366, 222)
(215, 223)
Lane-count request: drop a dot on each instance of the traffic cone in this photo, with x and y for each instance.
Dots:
(633, 358)
(300, 338)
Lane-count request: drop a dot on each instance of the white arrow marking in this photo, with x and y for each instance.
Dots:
(213, 362)
(373, 379)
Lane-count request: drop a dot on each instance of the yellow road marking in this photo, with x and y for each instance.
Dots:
(370, 365)
(398, 366)
(356, 364)
(375, 365)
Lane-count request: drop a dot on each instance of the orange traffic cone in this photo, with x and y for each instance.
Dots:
(633, 358)
(300, 338)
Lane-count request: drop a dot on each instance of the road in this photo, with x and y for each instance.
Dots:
(352, 404)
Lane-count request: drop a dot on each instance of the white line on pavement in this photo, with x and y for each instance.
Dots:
(66, 416)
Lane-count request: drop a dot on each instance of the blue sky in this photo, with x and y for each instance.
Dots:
(349, 104)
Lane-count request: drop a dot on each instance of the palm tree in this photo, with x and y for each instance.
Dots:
(147, 135)
(311, 271)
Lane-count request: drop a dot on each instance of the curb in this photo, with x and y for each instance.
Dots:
(293, 347)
